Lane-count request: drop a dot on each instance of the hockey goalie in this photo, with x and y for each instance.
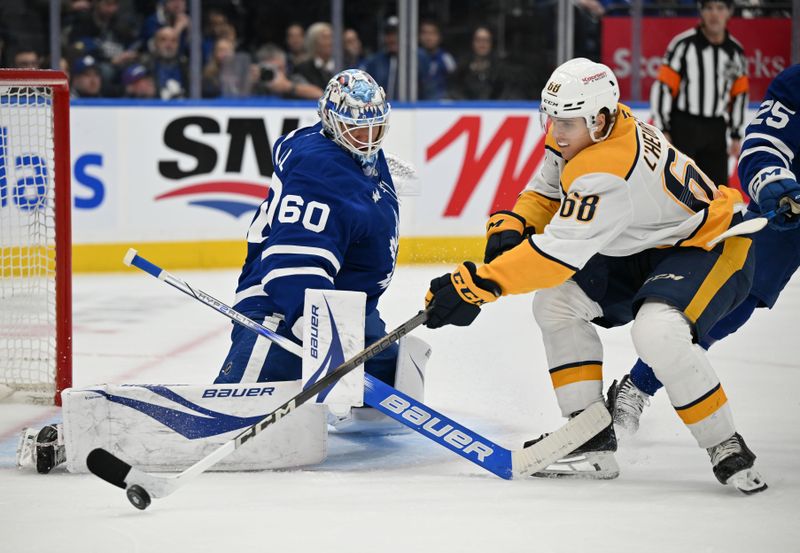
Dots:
(170, 427)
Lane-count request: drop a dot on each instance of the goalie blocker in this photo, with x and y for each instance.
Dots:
(170, 427)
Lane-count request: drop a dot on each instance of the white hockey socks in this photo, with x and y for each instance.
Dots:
(663, 339)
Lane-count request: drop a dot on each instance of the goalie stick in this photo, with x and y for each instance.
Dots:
(142, 485)
(393, 403)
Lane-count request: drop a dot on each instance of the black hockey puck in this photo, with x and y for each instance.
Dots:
(138, 497)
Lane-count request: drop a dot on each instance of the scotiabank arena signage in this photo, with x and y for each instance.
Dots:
(766, 42)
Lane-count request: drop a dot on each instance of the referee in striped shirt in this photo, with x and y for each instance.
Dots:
(701, 91)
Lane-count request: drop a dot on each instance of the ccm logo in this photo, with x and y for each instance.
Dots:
(434, 426)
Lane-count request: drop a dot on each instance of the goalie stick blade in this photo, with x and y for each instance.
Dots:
(576, 432)
(108, 466)
(115, 471)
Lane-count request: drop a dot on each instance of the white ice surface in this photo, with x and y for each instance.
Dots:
(406, 493)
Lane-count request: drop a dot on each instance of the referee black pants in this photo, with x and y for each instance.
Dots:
(704, 139)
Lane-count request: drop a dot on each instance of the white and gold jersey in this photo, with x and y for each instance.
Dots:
(628, 193)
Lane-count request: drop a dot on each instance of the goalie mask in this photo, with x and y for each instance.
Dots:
(580, 88)
(355, 114)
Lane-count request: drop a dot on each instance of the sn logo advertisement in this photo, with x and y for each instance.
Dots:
(200, 184)
(24, 174)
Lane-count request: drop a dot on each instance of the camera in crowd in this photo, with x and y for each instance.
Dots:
(267, 72)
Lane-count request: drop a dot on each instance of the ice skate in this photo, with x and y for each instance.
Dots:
(733, 464)
(43, 449)
(594, 459)
(629, 403)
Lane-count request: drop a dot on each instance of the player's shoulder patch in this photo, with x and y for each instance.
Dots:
(616, 155)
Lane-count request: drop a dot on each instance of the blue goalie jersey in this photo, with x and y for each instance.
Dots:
(771, 146)
(325, 224)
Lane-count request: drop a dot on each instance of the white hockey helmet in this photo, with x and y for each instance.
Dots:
(353, 100)
(581, 88)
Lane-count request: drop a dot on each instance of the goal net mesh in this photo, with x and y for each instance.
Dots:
(27, 239)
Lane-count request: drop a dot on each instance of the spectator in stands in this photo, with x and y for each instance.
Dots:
(481, 76)
(166, 65)
(138, 82)
(383, 64)
(320, 66)
(169, 13)
(217, 26)
(272, 79)
(86, 79)
(353, 49)
(26, 58)
(295, 47)
(212, 70)
(228, 73)
(440, 64)
(105, 34)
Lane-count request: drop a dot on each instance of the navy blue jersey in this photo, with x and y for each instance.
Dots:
(771, 147)
(325, 224)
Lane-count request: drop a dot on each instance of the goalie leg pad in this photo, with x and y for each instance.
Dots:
(412, 357)
(169, 428)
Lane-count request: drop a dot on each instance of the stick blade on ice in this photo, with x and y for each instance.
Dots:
(109, 467)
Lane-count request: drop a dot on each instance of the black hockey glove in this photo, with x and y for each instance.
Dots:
(455, 299)
(504, 230)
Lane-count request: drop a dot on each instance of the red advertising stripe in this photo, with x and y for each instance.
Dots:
(766, 42)
(229, 187)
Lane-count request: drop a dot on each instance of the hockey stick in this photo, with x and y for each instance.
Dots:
(140, 485)
(749, 225)
(393, 403)
(418, 416)
(133, 259)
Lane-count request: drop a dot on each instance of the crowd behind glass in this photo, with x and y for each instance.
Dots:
(469, 50)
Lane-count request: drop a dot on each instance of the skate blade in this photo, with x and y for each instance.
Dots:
(748, 482)
(625, 427)
(590, 466)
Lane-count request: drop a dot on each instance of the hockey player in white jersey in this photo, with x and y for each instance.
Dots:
(617, 224)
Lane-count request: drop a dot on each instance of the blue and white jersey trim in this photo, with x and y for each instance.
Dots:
(303, 250)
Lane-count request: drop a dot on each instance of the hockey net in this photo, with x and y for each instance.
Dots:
(35, 236)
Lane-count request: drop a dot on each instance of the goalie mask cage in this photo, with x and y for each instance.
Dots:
(35, 235)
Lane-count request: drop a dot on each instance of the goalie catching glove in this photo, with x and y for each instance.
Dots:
(504, 230)
(456, 298)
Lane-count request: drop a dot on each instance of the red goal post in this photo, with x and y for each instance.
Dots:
(35, 233)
